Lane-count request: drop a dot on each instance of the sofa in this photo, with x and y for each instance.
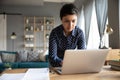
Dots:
(23, 59)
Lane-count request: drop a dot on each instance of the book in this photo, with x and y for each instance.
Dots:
(115, 68)
(31, 74)
(114, 63)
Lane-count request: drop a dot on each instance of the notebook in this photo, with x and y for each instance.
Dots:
(82, 61)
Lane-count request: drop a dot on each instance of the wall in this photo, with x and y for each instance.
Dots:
(15, 23)
(52, 9)
(113, 18)
(119, 24)
(48, 9)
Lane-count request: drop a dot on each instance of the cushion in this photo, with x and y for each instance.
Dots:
(22, 56)
(33, 56)
(0, 59)
(43, 56)
(8, 57)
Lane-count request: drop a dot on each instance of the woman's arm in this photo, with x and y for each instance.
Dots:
(81, 41)
(54, 60)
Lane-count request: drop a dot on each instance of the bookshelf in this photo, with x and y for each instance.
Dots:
(36, 32)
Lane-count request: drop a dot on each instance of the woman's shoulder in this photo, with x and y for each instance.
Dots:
(57, 29)
(78, 29)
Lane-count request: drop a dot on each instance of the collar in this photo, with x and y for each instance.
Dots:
(74, 31)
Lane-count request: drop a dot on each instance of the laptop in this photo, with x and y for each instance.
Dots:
(82, 61)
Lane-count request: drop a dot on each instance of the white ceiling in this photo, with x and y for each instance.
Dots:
(32, 2)
(59, 1)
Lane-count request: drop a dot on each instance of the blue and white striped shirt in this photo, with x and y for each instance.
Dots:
(58, 43)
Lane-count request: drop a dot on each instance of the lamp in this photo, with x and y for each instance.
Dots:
(13, 37)
(108, 31)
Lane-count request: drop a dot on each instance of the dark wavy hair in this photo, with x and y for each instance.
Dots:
(68, 9)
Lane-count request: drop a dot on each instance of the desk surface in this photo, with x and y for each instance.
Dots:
(105, 74)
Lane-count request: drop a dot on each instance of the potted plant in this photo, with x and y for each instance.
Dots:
(8, 66)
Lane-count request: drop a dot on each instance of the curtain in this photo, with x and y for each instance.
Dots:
(81, 21)
(93, 41)
(88, 6)
(101, 12)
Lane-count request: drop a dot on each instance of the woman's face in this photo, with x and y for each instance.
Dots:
(69, 22)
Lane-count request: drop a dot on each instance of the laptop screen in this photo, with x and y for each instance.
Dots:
(83, 61)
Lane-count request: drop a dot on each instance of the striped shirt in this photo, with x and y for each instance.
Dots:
(58, 43)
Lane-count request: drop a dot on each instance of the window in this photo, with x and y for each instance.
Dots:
(94, 37)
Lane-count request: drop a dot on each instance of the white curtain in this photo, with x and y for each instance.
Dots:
(88, 6)
(101, 12)
(93, 41)
(92, 21)
(3, 32)
(81, 20)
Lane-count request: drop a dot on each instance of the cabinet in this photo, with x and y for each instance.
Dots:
(36, 32)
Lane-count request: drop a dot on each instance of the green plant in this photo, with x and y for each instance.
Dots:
(7, 65)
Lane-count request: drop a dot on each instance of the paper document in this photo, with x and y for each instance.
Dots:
(37, 74)
(17, 76)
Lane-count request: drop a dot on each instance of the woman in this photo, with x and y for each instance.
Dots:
(65, 36)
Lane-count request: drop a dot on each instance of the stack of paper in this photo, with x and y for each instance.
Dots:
(37, 74)
(31, 74)
(18, 76)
